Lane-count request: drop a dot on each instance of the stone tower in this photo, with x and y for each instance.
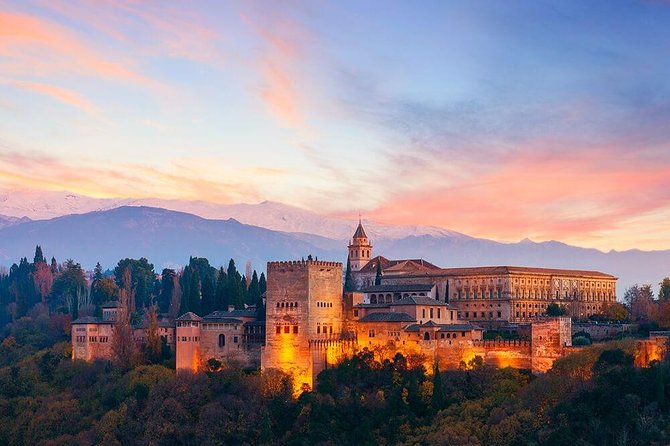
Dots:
(304, 305)
(360, 249)
(188, 342)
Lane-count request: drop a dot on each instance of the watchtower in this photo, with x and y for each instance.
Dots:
(303, 303)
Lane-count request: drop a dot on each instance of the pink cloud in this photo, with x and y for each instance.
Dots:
(538, 195)
(34, 46)
(63, 95)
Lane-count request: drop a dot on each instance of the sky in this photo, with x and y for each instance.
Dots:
(505, 120)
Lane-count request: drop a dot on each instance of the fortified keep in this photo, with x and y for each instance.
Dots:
(303, 305)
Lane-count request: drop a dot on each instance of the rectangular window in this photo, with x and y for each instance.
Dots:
(423, 312)
(451, 315)
(462, 334)
(235, 339)
(371, 334)
(287, 329)
(330, 329)
(318, 329)
(438, 314)
(295, 329)
(355, 313)
(431, 313)
(499, 314)
(467, 314)
(278, 329)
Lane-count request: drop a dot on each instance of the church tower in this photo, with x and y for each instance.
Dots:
(360, 249)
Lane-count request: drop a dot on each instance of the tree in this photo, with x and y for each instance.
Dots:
(664, 291)
(175, 302)
(247, 273)
(70, 287)
(153, 336)
(437, 400)
(615, 311)
(348, 280)
(555, 310)
(142, 275)
(166, 289)
(639, 300)
(39, 257)
(254, 290)
(208, 291)
(43, 279)
(221, 296)
(378, 277)
(262, 284)
(123, 345)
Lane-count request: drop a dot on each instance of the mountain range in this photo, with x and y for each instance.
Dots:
(167, 232)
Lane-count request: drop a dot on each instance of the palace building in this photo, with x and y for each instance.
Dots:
(492, 295)
(415, 308)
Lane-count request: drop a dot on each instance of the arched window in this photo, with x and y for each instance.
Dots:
(222, 340)
(426, 336)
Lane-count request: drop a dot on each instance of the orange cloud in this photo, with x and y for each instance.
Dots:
(277, 63)
(37, 171)
(580, 198)
(31, 45)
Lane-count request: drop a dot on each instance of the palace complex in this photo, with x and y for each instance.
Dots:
(315, 317)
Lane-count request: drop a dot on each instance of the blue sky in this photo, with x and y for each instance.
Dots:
(547, 120)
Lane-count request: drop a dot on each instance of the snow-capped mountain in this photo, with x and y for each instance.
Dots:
(38, 205)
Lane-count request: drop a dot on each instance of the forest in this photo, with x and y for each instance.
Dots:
(593, 397)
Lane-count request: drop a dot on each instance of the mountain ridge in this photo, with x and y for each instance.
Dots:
(167, 238)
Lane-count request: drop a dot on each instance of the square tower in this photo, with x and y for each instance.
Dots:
(303, 304)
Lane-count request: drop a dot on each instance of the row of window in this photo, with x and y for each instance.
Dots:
(222, 340)
(483, 314)
(187, 323)
(218, 326)
(287, 329)
(324, 304)
(326, 329)
(101, 339)
(287, 304)
(188, 338)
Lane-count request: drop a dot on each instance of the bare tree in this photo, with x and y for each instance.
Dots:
(123, 345)
(248, 272)
(153, 336)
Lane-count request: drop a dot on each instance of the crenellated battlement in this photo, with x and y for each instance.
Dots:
(303, 264)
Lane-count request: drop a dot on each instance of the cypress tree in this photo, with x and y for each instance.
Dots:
(208, 288)
(378, 277)
(39, 257)
(221, 296)
(348, 282)
(262, 284)
(437, 401)
(254, 290)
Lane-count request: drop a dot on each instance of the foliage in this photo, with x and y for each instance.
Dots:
(555, 310)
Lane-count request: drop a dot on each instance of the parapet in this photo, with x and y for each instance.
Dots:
(303, 264)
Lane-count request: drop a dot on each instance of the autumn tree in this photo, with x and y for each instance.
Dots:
(640, 302)
(43, 279)
(664, 290)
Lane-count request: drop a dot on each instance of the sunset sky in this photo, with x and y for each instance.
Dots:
(505, 120)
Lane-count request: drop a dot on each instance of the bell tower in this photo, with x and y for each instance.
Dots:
(360, 249)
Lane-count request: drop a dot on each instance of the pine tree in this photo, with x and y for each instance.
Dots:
(378, 277)
(39, 257)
